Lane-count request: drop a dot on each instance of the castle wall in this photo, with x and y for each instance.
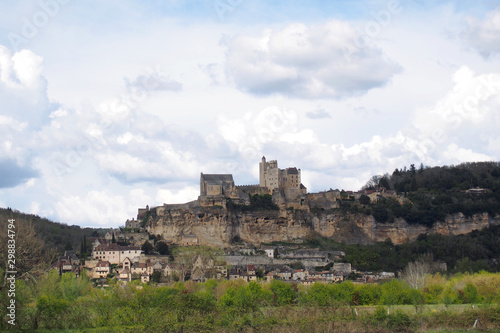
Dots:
(213, 189)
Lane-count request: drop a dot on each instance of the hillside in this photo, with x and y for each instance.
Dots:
(57, 236)
(434, 193)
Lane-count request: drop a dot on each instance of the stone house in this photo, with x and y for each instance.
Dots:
(300, 274)
(115, 254)
(340, 267)
(139, 268)
(285, 273)
(157, 267)
(170, 269)
(221, 272)
(102, 269)
(144, 278)
(124, 275)
(234, 274)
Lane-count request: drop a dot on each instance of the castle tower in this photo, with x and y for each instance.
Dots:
(262, 172)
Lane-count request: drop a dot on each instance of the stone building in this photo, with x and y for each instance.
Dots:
(116, 254)
(216, 184)
(287, 180)
(215, 188)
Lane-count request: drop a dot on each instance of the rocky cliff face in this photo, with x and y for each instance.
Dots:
(218, 227)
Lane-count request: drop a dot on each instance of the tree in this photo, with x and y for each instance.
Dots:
(384, 182)
(32, 256)
(205, 259)
(147, 247)
(380, 213)
(162, 248)
(184, 258)
(156, 276)
(83, 248)
(113, 239)
(364, 199)
(372, 183)
(415, 272)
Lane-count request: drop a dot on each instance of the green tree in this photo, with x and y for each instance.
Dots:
(283, 293)
(380, 213)
(395, 292)
(162, 248)
(364, 199)
(147, 247)
(156, 276)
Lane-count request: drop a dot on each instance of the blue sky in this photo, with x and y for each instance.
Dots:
(107, 106)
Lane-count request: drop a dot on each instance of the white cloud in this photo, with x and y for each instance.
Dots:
(455, 154)
(323, 61)
(466, 114)
(186, 194)
(98, 208)
(318, 114)
(484, 35)
(27, 66)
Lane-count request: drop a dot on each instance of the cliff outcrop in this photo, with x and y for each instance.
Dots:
(219, 227)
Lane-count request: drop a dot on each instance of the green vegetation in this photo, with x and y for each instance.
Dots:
(257, 203)
(69, 303)
(430, 194)
(478, 250)
(56, 236)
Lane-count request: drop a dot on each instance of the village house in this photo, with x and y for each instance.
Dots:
(234, 274)
(285, 273)
(144, 278)
(344, 268)
(221, 272)
(115, 254)
(139, 268)
(157, 267)
(69, 263)
(300, 274)
(101, 270)
(96, 241)
(170, 270)
(124, 275)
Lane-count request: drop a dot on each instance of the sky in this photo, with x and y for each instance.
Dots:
(108, 106)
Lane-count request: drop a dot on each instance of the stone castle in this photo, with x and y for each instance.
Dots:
(283, 184)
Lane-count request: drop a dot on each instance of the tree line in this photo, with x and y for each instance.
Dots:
(432, 193)
(68, 302)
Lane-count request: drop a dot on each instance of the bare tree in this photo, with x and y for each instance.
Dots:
(184, 259)
(415, 272)
(206, 257)
(32, 257)
(372, 183)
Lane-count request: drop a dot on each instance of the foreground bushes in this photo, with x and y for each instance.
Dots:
(73, 303)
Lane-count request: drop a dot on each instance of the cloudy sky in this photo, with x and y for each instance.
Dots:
(106, 106)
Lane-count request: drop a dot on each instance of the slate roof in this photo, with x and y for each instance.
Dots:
(216, 178)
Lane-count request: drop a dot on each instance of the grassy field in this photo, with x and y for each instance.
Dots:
(295, 319)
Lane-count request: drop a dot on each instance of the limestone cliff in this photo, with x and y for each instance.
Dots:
(218, 226)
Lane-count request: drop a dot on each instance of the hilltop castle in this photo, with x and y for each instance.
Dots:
(284, 183)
